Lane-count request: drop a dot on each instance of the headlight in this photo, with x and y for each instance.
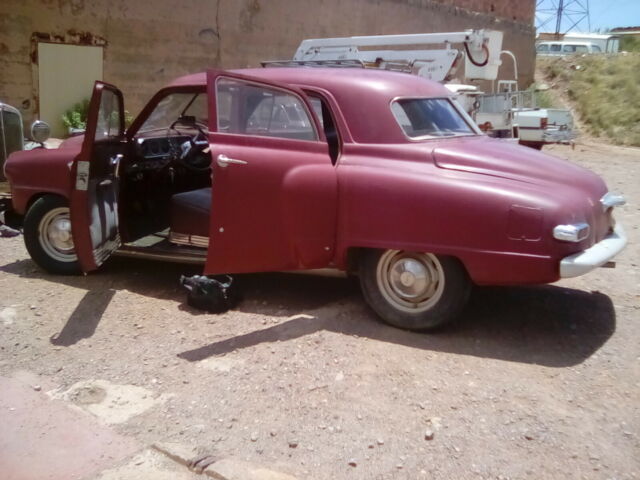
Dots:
(574, 232)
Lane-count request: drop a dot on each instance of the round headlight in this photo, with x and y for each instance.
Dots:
(40, 131)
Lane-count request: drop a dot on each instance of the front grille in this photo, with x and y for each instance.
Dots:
(10, 136)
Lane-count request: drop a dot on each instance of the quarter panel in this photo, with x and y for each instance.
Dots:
(412, 204)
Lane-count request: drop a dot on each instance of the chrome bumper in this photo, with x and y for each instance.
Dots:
(557, 135)
(595, 256)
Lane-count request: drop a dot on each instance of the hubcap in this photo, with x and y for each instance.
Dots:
(55, 235)
(410, 281)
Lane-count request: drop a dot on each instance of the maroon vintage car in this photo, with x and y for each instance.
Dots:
(377, 173)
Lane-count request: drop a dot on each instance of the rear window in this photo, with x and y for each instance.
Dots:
(543, 48)
(430, 117)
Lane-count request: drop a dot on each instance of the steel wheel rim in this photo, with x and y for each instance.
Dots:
(410, 281)
(54, 234)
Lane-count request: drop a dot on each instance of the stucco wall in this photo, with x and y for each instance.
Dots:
(146, 44)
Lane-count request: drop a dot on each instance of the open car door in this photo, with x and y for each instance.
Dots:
(274, 186)
(94, 198)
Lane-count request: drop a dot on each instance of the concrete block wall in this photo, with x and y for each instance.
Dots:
(146, 44)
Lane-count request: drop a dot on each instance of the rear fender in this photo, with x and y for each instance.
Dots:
(463, 215)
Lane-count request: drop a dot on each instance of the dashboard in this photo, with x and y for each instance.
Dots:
(153, 153)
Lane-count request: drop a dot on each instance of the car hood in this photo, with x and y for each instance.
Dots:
(501, 158)
(73, 142)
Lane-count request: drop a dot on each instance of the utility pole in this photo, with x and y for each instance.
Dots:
(573, 13)
(559, 19)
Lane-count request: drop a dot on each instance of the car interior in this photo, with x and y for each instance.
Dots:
(165, 180)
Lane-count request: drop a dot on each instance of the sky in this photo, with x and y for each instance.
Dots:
(604, 14)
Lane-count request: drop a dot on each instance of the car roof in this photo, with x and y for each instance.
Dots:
(363, 95)
(361, 79)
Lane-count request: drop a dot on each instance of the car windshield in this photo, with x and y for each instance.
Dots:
(175, 105)
(430, 117)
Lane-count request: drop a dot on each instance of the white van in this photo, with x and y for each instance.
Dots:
(566, 48)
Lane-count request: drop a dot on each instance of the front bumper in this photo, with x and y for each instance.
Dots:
(557, 135)
(595, 256)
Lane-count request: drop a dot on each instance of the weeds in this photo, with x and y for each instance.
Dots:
(605, 90)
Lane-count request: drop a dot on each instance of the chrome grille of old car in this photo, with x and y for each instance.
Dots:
(11, 137)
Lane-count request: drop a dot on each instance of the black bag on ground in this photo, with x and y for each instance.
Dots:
(211, 294)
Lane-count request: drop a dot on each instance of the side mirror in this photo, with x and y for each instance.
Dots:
(40, 131)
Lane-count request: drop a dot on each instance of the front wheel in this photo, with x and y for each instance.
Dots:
(414, 290)
(47, 236)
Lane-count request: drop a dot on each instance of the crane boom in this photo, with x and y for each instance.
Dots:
(482, 49)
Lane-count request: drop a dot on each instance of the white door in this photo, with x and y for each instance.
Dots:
(66, 74)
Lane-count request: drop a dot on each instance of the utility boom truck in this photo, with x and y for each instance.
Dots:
(506, 112)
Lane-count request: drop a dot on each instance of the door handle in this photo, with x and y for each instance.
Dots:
(224, 161)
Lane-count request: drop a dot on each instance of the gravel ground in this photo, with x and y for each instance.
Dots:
(534, 382)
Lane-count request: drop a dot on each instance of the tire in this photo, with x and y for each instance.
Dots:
(413, 290)
(47, 236)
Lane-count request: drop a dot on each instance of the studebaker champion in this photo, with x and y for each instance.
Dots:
(376, 173)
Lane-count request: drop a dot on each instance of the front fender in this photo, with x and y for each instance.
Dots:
(32, 173)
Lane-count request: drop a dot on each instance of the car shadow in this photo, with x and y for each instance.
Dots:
(547, 325)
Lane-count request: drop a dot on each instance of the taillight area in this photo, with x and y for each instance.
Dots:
(544, 121)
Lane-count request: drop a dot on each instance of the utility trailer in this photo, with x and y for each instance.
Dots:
(506, 112)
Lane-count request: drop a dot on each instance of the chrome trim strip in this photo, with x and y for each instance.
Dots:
(610, 200)
(319, 272)
(575, 232)
(191, 240)
(595, 256)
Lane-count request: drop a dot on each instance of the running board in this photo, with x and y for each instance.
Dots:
(167, 253)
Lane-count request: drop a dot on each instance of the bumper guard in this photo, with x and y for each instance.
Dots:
(595, 256)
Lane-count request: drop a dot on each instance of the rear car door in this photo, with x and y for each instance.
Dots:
(94, 198)
(274, 194)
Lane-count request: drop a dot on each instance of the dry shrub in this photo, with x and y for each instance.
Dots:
(605, 90)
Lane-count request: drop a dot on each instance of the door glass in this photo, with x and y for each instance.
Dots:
(108, 125)
(248, 109)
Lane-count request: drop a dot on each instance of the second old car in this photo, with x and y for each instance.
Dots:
(375, 173)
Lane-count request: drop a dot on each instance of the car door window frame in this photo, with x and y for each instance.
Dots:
(334, 139)
(299, 95)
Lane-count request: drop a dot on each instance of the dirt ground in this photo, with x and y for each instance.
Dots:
(534, 382)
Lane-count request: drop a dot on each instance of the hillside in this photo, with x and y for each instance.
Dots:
(603, 90)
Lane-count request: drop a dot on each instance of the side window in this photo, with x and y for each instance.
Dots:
(595, 49)
(555, 47)
(581, 49)
(542, 48)
(108, 125)
(316, 104)
(249, 109)
(569, 48)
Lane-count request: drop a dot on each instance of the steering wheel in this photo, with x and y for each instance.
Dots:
(192, 154)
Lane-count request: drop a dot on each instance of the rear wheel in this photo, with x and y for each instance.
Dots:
(48, 238)
(414, 290)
